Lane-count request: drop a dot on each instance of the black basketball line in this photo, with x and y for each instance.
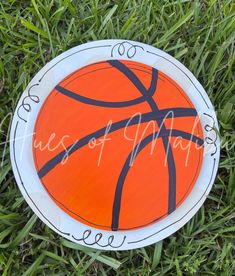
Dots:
(138, 148)
(168, 79)
(147, 71)
(183, 111)
(213, 168)
(178, 203)
(189, 187)
(86, 233)
(146, 117)
(168, 150)
(75, 214)
(86, 100)
(63, 90)
(174, 133)
(103, 226)
(134, 68)
(183, 73)
(90, 101)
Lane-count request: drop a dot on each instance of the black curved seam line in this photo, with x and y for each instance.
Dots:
(183, 73)
(178, 220)
(90, 101)
(169, 154)
(125, 169)
(173, 133)
(132, 156)
(146, 117)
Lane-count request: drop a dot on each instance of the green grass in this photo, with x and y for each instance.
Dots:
(198, 33)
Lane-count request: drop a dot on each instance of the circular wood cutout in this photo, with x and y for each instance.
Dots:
(114, 144)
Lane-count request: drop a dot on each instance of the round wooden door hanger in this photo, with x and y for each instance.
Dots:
(114, 144)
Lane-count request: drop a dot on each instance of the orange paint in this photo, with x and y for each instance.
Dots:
(84, 186)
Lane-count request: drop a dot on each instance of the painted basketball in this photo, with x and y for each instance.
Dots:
(118, 145)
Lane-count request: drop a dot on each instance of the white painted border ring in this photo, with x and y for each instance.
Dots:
(21, 144)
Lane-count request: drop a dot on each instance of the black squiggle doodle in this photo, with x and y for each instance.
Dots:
(98, 237)
(26, 106)
(209, 128)
(130, 51)
(122, 50)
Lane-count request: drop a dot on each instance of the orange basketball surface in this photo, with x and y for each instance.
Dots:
(118, 145)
